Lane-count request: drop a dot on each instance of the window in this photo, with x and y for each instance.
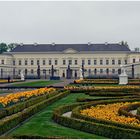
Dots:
(14, 62)
(50, 62)
(83, 62)
(26, 71)
(101, 70)
(89, 62)
(125, 61)
(119, 62)
(76, 62)
(107, 62)
(56, 62)
(101, 62)
(95, 71)
(95, 62)
(89, 71)
(19, 71)
(32, 71)
(32, 62)
(26, 62)
(113, 62)
(134, 60)
(2, 61)
(49, 71)
(19, 62)
(70, 62)
(64, 62)
(44, 71)
(107, 71)
(38, 63)
(113, 70)
(119, 71)
(44, 62)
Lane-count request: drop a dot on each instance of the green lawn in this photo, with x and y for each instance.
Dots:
(38, 83)
(42, 124)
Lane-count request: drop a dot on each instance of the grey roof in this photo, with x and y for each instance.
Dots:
(62, 47)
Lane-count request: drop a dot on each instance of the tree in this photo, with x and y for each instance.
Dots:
(3, 47)
(122, 42)
(126, 44)
(11, 46)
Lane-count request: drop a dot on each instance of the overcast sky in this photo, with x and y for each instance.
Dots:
(70, 22)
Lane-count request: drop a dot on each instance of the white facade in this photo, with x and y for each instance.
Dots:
(95, 63)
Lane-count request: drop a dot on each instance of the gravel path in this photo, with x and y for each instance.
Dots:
(67, 114)
(134, 112)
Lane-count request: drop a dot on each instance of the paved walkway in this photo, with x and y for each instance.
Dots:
(61, 84)
(6, 92)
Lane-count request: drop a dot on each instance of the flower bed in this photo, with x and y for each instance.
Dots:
(13, 120)
(3, 81)
(96, 81)
(105, 81)
(110, 112)
(103, 88)
(11, 99)
(95, 127)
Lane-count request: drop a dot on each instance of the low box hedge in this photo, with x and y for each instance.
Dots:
(38, 137)
(22, 105)
(112, 93)
(76, 113)
(88, 99)
(9, 122)
(93, 127)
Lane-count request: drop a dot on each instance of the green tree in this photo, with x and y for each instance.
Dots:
(3, 47)
(11, 46)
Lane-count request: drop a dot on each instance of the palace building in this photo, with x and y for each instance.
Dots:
(98, 60)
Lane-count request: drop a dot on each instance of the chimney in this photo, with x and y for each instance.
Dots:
(89, 43)
(53, 43)
(35, 44)
(21, 44)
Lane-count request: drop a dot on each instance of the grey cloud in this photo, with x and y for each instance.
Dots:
(70, 22)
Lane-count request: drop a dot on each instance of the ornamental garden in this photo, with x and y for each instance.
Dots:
(84, 109)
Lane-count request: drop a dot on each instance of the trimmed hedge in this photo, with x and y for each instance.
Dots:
(125, 110)
(92, 127)
(88, 99)
(38, 137)
(22, 105)
(76, 113)
(9, 122)
(112, 93)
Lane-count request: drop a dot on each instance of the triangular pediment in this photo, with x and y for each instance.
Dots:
(70, 50)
